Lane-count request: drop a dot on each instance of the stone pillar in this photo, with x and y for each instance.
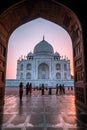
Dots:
(3, 59)
(2, 72)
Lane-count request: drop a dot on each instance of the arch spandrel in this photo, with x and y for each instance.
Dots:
(28, 10)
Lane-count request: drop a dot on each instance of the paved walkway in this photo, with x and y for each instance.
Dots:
(37, 112)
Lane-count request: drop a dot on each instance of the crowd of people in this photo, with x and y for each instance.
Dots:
(28, 89)
(60, 89)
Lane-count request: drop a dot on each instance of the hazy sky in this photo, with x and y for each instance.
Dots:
(25, 37)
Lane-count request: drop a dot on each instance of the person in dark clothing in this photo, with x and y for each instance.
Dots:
(63, 89)
(30, 88)
(42, 88)
(57, 89)
(27, 88)
(50, 91)
(21, 91)
(60, 88)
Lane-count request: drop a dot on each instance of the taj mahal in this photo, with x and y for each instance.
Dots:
(43, 65)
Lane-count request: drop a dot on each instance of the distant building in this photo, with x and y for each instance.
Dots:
(44, 66)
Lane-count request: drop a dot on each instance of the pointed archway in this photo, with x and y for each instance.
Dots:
(43, 71)
(26, 11)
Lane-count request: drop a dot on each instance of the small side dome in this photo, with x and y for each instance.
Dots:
(30, 54)
(56, 54)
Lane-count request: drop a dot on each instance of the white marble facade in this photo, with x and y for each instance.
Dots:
(44, 66)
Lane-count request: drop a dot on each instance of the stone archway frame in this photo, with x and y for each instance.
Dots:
(28, 10)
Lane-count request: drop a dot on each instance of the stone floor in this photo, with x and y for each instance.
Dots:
(42, 112)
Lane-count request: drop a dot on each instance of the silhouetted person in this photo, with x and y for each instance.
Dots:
(27, 88)
(50, 90)
(72, 88)
(21, 90)
(60, 88)
(42, 88)
(63, 88)
(30, 88)
(57, 87)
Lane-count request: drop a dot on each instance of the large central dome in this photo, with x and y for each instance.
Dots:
(43, 47)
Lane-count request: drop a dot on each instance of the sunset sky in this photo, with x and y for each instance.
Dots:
(25, 37)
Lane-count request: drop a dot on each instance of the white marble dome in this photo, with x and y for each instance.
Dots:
(43, 47)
